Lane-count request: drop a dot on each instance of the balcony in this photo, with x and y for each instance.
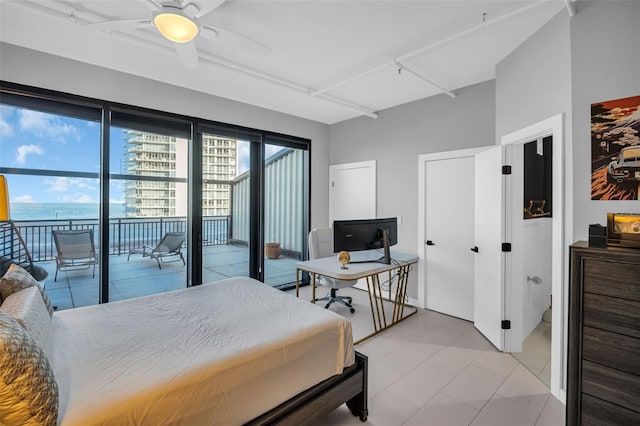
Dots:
(223, 256)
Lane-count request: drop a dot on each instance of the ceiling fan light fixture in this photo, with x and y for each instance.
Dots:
(174, 25)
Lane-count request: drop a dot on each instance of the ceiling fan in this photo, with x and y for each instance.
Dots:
(179, 23)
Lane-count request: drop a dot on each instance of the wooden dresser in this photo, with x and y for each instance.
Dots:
(604, 336)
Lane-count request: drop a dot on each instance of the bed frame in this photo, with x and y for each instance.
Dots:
(316, 402)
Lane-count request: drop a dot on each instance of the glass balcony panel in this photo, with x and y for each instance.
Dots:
(225, 209)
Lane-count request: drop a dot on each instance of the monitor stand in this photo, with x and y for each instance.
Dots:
(386, 259)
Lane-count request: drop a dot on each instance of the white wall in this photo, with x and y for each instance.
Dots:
(537, 251)
(605, 59)
(399, 135)
(29, 67)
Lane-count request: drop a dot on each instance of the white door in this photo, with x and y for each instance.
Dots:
(449, 236)
(489, 232)
(352, 191)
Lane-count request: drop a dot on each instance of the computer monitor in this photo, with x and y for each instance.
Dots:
(366, 234)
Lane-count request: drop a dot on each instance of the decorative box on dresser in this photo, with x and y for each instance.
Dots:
(604, 336)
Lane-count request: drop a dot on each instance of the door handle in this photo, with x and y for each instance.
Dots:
(474, 249)
(429, 243)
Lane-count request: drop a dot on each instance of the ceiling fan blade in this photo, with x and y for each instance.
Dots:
(188, 54)
(118, 24)
(236, 39)
(153, 4)
(206, 7)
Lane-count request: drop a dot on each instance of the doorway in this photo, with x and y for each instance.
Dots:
(534, 195)
(561, 235)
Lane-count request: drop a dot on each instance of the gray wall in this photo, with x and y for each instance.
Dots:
(400, 134)
(533, 82)
(605, 58)
(25, 66)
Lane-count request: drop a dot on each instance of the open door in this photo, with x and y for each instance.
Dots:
(489, 263)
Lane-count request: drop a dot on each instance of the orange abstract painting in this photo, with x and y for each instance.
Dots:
(615, 149)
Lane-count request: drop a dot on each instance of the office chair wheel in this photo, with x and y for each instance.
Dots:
(352, 310)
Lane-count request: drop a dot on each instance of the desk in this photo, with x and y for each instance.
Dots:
(399, 268)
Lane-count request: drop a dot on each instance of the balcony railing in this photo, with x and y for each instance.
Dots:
(124, 233)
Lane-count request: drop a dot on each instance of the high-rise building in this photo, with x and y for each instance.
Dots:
(219, 163)
(150, 154)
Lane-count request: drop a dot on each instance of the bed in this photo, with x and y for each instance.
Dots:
(231, 352)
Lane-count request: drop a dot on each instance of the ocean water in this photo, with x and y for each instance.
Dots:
(51, 211)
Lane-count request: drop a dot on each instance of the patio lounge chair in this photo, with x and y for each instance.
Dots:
(169, 245)
(76, 250)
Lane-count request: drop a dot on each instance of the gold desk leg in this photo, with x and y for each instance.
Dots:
(400, 293)
(374, 289)
(297, 282)
(381, 301)
(395, 301)
(373, 311)
(313, 288)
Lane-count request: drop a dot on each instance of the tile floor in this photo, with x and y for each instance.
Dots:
(536, 352)
(433, 369)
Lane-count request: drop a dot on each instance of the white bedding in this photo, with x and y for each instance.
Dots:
(220, 353)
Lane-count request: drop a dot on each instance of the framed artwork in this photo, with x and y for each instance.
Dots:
(615, 149)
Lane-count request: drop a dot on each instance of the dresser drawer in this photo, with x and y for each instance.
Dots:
(611, 278)
(611, 385)
(596, 412)
(612, 314)
(611, 349)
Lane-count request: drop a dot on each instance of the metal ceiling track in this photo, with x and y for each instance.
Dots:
(399, 62)
(61, 11)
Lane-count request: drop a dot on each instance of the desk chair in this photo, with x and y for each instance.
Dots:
(321, 245)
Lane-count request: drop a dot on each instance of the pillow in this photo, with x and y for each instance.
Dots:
(27, 307)
(17, 279)
(37, 272)
(28, 389)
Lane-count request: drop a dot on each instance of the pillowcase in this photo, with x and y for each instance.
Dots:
(17, 279)
(28, 389)
(37, 272)
(27, 307)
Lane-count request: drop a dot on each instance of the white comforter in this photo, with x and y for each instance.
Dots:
(220, 353)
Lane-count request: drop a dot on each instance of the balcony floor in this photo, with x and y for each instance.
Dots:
(141, 276)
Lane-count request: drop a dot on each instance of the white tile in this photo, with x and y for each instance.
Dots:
(497, 362)
(388, 409)
(443, 410)
(545, 374)
(474, 386)
(378, 347)
(513, 411)
(553, 413)
(381, 376)
(340, 417)
(522, 383)
(424, 382)
(409, 356)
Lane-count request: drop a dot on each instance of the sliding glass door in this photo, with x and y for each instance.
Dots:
(160, 201)
(285, 230)
(148, 194)
(50, 155)
(226, 181)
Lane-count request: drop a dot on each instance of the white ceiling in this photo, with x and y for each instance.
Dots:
(328, 61)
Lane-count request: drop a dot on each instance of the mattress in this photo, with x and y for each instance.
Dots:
(219, 353)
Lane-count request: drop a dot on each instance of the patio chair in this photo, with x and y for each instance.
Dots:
(169, 245)
(76, 250)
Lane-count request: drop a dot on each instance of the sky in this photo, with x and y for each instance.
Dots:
(36, 140)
